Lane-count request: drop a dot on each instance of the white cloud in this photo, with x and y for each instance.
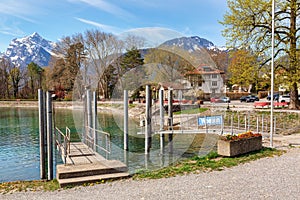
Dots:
(20, 9)
(104, 27)
(107, 7)
(154, 36)
(10, 27)
(144, 3)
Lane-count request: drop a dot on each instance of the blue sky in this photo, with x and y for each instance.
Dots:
(53, 19)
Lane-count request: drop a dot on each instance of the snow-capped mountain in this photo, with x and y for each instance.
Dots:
(191, 43)
(32, 48)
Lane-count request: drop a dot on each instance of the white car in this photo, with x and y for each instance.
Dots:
(286, 98)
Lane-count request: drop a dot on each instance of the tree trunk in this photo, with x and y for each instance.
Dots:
(294, 102)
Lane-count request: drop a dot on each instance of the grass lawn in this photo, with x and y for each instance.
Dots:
(210, 162)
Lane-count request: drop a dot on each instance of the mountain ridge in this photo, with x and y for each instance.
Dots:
(31, 48)
(34, 48)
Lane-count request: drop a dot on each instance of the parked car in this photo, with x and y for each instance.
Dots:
(255, 98)
(249, 98)
(245, 99)
(275, 97)
(220, 99)
(286, 98)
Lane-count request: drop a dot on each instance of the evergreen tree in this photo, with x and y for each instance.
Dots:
(131, 59)
(34, 74)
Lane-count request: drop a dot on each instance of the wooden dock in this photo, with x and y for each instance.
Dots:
(83, 165)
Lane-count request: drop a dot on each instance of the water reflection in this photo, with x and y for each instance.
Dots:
(19, 142)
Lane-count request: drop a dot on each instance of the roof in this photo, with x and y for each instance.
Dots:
(175, 86)
(204, 69)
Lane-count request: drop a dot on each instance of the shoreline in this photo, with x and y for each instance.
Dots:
(277, 172)
(106, 106)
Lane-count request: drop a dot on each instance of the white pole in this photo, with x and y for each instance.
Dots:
(95, 118)
(162, 118)
(49, 136)
(170, 118)
(148, 120)
(42, 133)
(161, 108)
(272, 74)
(125, 120)
(89, 117)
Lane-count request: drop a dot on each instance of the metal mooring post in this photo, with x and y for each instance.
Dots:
(95, 117)
(170, 117)
(148, 120)
(49, 136)
(162, 119)
(42, 134)
(126, 120)
(89, 117)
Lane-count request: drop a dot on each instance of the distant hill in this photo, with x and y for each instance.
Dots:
(192, 43)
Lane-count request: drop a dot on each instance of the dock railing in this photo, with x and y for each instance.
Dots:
(62, 141)
(92, 140)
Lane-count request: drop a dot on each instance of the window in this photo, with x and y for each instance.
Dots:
(200, 84)
(214, 76)
(207, 69)
(195, 80)
(214, 83)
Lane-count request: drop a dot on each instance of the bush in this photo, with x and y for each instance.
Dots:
(236, 95)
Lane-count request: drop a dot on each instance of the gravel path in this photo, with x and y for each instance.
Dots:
(267, 178)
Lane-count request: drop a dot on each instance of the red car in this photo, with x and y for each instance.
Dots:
(220, 100)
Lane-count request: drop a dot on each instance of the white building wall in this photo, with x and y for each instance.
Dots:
(212, 83)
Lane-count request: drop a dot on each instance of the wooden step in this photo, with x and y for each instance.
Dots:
(90, 179)
(99, 168)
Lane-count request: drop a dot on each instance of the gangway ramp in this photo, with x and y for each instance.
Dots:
(83, 165)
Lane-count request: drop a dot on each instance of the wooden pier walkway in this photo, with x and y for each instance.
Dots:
(83, 165)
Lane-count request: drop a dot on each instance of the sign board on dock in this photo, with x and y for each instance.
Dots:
(210, 120)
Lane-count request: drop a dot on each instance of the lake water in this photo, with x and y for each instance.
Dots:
(19, 142)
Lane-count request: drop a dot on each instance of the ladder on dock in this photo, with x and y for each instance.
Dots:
(84, 165)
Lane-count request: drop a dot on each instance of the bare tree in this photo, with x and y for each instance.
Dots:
(103, 49)
(5, 65)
